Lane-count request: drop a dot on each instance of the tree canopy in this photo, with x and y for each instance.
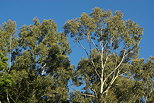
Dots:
(38, 63)
(35, 65)
(111, 44)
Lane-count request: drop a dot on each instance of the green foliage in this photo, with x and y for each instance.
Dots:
(39, 68)
(5, 84)
(35, 67)
(3, 64)
(109, 74)
(7, 31)
(5, 78)
(143, 71)
(29, 88)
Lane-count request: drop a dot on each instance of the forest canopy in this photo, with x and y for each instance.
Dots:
(35, 66)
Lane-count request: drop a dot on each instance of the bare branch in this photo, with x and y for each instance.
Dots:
(106, 61)
(89, 95)
(83, 48)
(124, 55)
(94, 91)
(95, 46)
(110, 84)
(12, 99)
(112, 81)
(116, 66)
(43, 66)
(8, 98)
(90, 58)
(102, 65)
(95, 68)
(114, 77)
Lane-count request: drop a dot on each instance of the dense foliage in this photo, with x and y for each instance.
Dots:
(38, 65)
(35, 65)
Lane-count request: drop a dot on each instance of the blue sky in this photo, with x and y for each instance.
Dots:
(23, 11)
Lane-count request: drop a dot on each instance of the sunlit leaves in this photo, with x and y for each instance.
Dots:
(112, 43)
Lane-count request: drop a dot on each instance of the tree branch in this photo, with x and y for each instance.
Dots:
(89, 95)
(83, 48)
(116, 66)
(90, 58)
(94, 91)
(8, 98)
(102, 65)
(95, 68)
(95, 46)
(12, 98)
(111, 82)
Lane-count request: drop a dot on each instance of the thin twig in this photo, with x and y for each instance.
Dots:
(89, 95)
(95, 68)
(83, 48)
(12, 98)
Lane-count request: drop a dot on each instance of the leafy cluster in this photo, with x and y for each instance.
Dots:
(38, 65)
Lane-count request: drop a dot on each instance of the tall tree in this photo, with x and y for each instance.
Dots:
(40, 68)
(110, 44)
(7, 34)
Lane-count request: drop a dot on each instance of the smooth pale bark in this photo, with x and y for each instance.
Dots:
(103, 79)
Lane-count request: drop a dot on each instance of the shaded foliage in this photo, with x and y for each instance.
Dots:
(38, 64)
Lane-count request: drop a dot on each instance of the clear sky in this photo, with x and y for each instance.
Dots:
(23, 11)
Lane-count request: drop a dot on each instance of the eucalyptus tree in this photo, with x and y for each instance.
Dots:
(110, 43)
(39, 65)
